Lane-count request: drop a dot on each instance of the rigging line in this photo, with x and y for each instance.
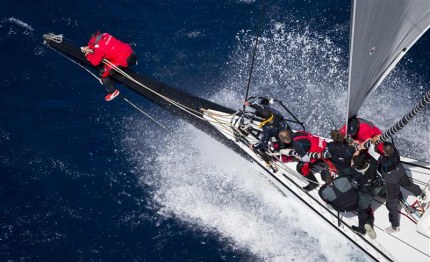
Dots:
(398, 211)
(125, 99)
(217, 119)
(416, 181)
(293, 172)
(59, 38)
(225, 125)
(418, 108)
(177, 104)
(260, 21)
(425, 187)
(143, 112)
(79, 64)
(208, 118)
(188, 110)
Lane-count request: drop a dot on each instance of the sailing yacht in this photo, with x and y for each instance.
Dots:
(382, 31)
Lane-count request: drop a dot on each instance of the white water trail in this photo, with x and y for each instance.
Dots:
(211, 188)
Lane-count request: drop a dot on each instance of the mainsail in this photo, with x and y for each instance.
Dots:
(382, 31)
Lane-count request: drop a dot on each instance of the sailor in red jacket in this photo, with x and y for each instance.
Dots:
(303, 144)
(120, 54)
(363, 131)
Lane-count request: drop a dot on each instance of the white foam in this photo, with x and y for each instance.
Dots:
(21, 24)
(308, 71)
(194, 34)
(210, 187)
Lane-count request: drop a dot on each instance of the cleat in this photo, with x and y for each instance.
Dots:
(111, 96)
(392, 230)
(369, 230)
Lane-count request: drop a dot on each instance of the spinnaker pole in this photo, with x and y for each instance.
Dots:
(419, 107)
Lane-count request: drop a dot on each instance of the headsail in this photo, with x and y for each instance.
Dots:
(382, 31)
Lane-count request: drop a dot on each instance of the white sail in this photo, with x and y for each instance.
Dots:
(382, 31)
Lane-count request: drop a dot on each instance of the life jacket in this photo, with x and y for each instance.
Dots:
(272, 117)
(309, 142)
(108, 47)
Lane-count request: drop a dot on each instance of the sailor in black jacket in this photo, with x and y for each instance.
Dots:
(369, 184)
(339, 152)
(273, 122)
(395, 177)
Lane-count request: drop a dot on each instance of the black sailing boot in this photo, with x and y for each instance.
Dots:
(358, 230)
(369, 224)
(312, 185)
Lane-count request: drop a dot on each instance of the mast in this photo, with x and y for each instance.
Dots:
(351, 48)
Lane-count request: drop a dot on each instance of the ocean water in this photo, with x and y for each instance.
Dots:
(86, 180)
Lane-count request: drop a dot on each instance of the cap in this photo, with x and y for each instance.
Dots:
(353, 126)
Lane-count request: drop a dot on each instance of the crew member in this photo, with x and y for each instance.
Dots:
(369, 184)
(395, 177)
(339, 152)
(119, 54)
(303, 143)
(362, 131)
(273, 122)
(338, 192)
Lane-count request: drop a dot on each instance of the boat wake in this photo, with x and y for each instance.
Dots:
(204, 184)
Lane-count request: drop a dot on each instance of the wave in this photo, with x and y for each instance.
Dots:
(28, 29)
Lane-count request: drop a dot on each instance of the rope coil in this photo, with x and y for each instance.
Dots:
(54, 38)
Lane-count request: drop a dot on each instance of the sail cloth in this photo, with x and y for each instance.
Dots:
(382, 31)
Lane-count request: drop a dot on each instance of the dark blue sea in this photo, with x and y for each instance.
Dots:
(86, 180)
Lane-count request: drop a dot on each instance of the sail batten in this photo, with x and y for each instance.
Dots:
(382, 31)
